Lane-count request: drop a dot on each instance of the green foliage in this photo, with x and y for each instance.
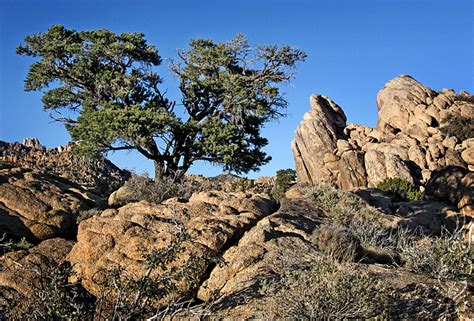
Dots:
(102, 86)
(458, 126)
(400, 190)
(284, 179)
(328, 290)
(23, 244)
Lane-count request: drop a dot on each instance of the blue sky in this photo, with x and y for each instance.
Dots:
(353, 48)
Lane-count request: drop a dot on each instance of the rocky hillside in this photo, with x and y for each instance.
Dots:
(413, 137)
(229, 248)
(97, 174)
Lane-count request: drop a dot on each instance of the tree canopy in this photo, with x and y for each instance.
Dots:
(104, 88)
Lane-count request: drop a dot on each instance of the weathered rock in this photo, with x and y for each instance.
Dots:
(317, 135)
(23, 273)
(281, 242)
(39, 206)
(121, 238)
(376, 198)
(380, 166)
(468, 155)
(427, 217)
(396, 100)
(451, 184)
(96, 174)
(410, 125)
(352, 172)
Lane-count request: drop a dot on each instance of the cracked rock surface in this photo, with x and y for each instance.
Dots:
(40, 206)
(121, 238)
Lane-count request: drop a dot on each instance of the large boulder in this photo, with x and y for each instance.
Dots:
(317, 134)
(399, 100)
(281, 242)
(40, 206)
(380, 166)
(122, 238)
(454, 185)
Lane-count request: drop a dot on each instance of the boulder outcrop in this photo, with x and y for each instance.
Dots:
(40, 206)
(122, 238)
(408, 141)
(96, 174)
(24, 273)
(265, 252)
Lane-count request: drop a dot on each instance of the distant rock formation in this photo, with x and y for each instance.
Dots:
(407, 142)
(97, 174)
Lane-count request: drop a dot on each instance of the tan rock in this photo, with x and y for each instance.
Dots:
(280, 242)
(352, 170)
(40, 206)
(122, 238)
(380, 166)
(397, 100)
(317, 135)
(468, 155)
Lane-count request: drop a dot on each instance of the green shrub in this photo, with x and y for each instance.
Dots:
(284, 179)
(142, 188)
(400, 190)
(328, 290)
(458, 126)
(23, 244)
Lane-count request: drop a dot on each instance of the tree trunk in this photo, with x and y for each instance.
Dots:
(159, 171)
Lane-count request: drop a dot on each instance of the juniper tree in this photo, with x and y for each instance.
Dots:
(104, 88)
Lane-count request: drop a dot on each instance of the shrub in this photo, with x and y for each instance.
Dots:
(400, 190)
(23, 244)
(84, 215)
(284, 179)
(142, 188)
(337, 242)
(328, 290)
(53, 296)
(447, 257)
(57, 299)
(458, 126)
(242, 185)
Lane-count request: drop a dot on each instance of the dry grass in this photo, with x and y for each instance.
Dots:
(329, 290)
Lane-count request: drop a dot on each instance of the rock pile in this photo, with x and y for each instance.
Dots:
(97, 173)
(407, 142)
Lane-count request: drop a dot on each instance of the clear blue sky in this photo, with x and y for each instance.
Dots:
(353, 48)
